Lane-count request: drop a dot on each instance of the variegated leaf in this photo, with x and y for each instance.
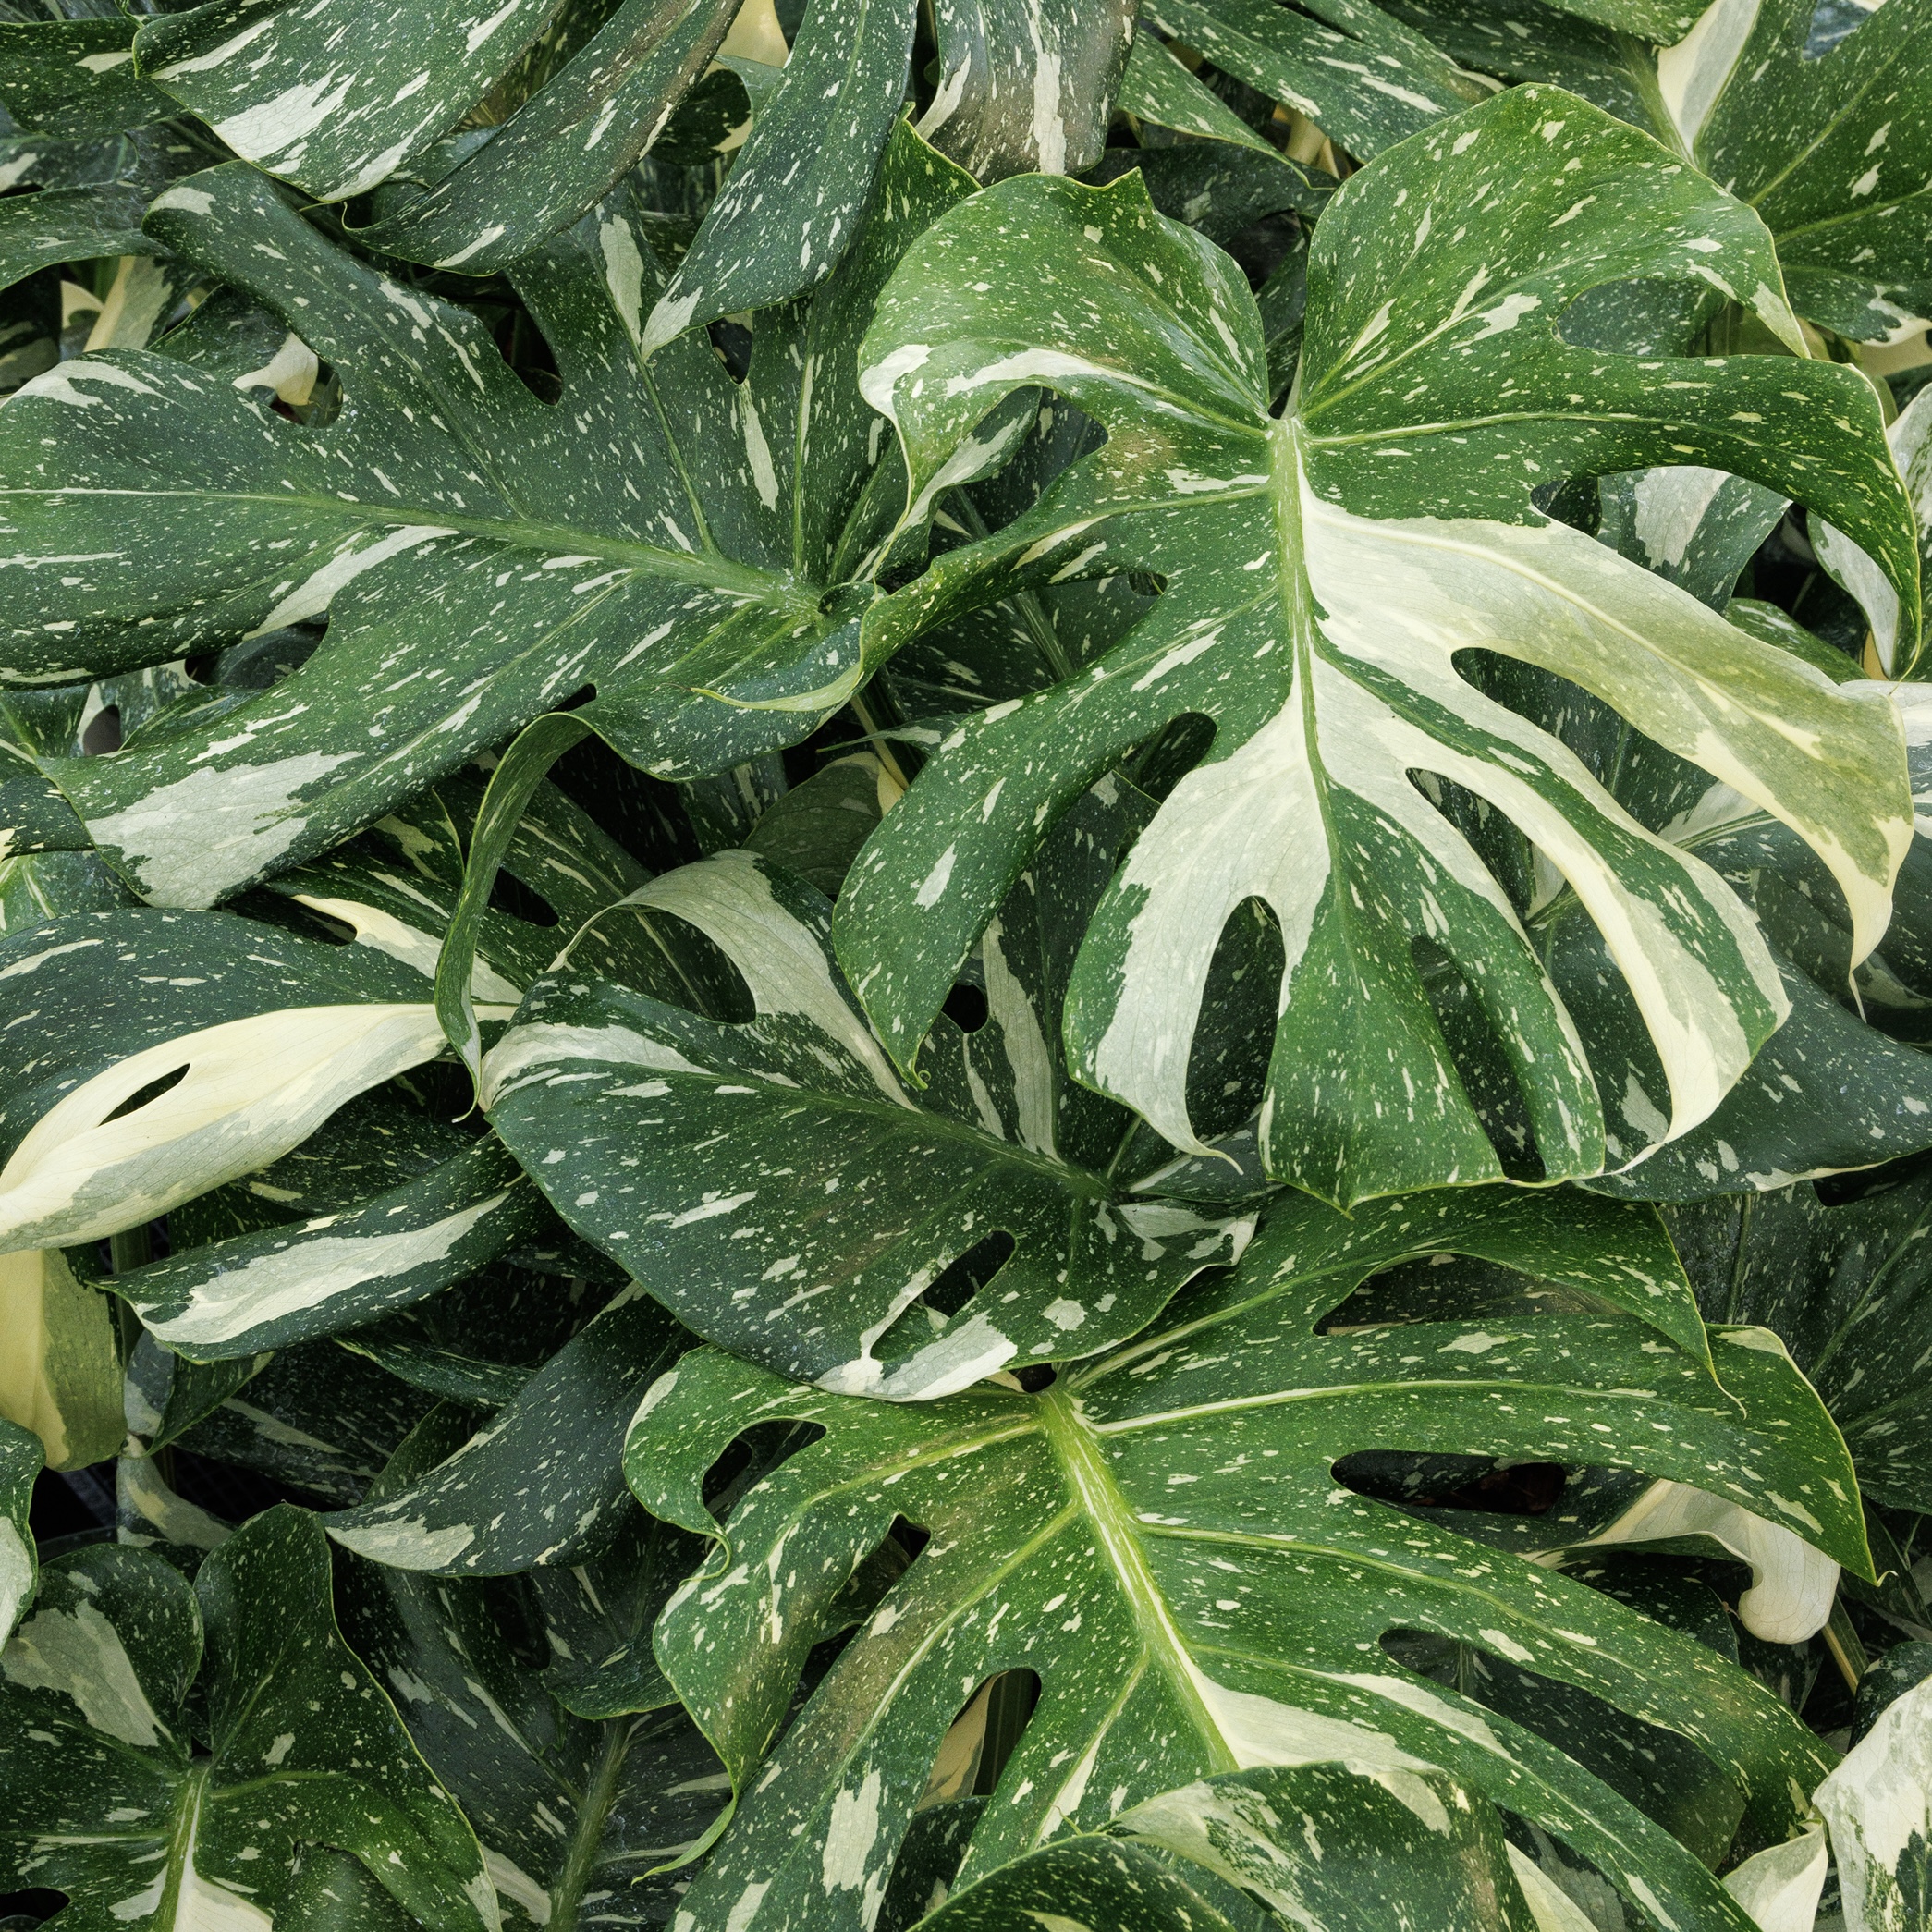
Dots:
(233, 1041)
(1315, 1844)
(1366, 78)
(1849, 1290)
(1831, 148)
(104, 1797)
(1911, 439)
(798, 1203)
(574, 1815)
(60, 1371)
(541, 1481)
(20, 1461)
(1324, 569)
(1878, 1804)
(1827, 136)
(1837, 1086)
(1160, 1538)
(671, 558)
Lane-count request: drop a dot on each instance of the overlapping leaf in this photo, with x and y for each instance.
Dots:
(20, 1461)
(1160, 1539)
(1315, 1844)
(573, 1813)
(1366, 78)
(539, 1481)
(648, 539)
(104, 1797)
(1829, 142)
(1848, 1289)
(1322, 570)
(775, 1184)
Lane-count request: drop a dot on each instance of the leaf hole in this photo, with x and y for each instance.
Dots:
(981, 1739)
(732, 340)
(510, 894)
(1159, 763)
(1228, 1065)
(101, 733)
(146, 1096)
(527, 351)
(1489, 1483)
(966, 1006)
(748, 1459)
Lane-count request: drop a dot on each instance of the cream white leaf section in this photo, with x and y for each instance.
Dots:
(60, 1371)
(413, 946)
(1793, 1585)
(78, 1652)
(1910, 440)
(310, 1274)
(1696, 70)
(254, 1089)
(1878, 1806)
(1398, 599)
(729, 900)
(1779, 1885)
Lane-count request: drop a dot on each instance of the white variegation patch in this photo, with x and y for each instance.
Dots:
(1910, 440)
(1878, 1806)
(306, 1275)
(79, 1653)
(254, 1089)
(729, 900)
(1793, 1585)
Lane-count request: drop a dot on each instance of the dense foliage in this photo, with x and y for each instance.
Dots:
(966, 964)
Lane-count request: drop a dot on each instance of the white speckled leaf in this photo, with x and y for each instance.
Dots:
(562, 150)
(1316, 1844)
(1848, 1289)
(1832, 149)
(20, 1461)
(479, 555)
(1160, 1539)
(337, 96)
(1322, 569)
(305, 1746)
(798, 1203)
(573, 1813)
(253, 1036)
(1878, 1806)
(1026, 86)
(541, 1481)
(1368, 80)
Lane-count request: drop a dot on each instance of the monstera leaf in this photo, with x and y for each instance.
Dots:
(667, 558)
(1829, 144)
(1837, 168)
(20, 1461)
(1315, 1844)
(344, 100)
(1842, 1085)
(1848, 1290)
(80, 130)
(1368, 79)
(302, 1743)
(847, 1201)
(1160, 1539)
(339, 101)
(571, 1812)
(1324, 569)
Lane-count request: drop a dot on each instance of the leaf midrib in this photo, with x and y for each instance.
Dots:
(1070, 1439)
(703, 567)
(1076, 1179)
